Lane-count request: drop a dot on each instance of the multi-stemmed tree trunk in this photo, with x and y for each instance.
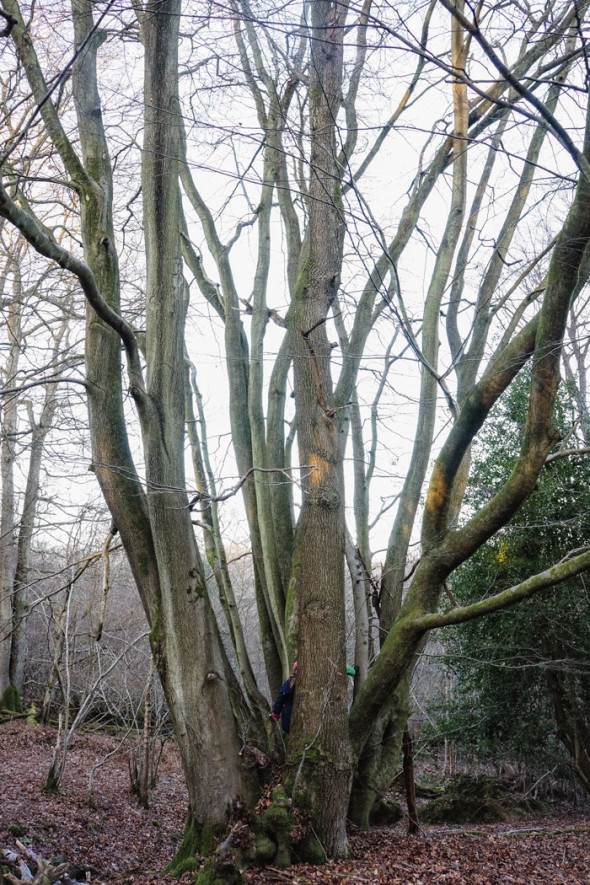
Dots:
(154, 520)
(298, 572)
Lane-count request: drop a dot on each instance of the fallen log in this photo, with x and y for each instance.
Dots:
(28, 866)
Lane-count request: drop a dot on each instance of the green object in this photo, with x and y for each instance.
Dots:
(522, 687)
(350, 671)
(10, 700)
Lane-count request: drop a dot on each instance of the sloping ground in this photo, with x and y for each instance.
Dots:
(112, 840)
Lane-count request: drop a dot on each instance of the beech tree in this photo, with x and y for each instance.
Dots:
(329, 281)
(185, 640)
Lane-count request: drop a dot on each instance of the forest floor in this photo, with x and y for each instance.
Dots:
(96, 825)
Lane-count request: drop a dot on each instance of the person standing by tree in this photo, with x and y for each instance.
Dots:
(283, 705)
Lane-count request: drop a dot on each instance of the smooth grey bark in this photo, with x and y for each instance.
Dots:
(8, 536)
(39, 430)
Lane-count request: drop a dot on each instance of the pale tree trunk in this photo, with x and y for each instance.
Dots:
(7, 501)
(39, 430)
(318, 753)
(59, 633)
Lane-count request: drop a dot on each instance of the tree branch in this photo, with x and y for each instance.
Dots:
(551, 577)
(32, 232)
(555, 126)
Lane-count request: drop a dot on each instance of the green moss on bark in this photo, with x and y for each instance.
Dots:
(209, 875)
(197, 840)
(51, 784)
(311, 851)
(11, 700)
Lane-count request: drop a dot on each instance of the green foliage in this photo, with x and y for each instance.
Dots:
(11, 700)
(513, 667)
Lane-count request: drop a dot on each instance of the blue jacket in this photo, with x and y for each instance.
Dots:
(284, 702)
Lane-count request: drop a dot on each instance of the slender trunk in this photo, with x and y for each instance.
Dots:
(59, 641)
(409, 783)
(8, 548)
(39, 430)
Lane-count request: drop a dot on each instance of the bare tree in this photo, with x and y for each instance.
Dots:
(297, 193)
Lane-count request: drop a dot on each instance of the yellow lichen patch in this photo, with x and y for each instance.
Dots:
(319, 468)
(438, 494)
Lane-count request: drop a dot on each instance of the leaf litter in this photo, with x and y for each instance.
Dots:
(108, 838)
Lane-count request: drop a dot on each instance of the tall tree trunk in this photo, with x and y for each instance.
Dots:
(319, 752)
(7, 501)
(155, 528)
(185, 637)
(39, 430)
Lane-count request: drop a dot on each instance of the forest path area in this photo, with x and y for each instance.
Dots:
(109, 838)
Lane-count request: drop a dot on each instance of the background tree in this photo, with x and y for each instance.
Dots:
(533, 658)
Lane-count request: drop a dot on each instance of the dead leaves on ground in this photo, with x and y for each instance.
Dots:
(116, 841)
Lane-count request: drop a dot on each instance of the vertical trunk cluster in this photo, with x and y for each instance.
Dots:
(153, 519)
(185, 638)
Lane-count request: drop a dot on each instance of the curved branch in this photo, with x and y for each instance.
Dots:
(32, 232)
(551, 577)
